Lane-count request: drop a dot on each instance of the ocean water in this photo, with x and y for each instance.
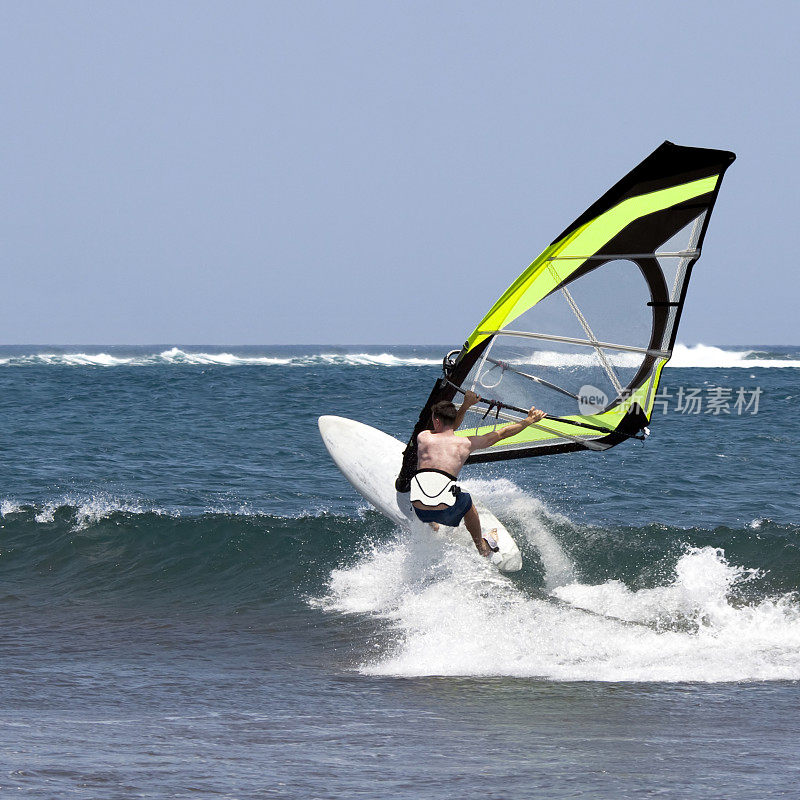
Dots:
(195, 603)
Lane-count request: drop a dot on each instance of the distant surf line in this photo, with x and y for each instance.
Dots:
(684, 356)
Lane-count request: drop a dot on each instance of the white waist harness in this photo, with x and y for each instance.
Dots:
(433, 486)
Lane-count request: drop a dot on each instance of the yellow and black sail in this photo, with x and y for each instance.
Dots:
(586, 329)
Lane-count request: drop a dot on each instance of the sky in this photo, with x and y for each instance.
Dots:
(371, 172)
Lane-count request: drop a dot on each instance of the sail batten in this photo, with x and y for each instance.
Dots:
(608, 256)
(595, 316)
(582, 342)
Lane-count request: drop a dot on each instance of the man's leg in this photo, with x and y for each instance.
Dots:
(473, 523)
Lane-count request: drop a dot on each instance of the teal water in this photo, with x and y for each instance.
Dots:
(196, 603)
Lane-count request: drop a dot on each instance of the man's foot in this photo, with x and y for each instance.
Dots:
(490, 537)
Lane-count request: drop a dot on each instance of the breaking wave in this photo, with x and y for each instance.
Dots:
(177, 356)
(705, 356)
(591, 603)
(684, 356)
(109, 552)
(703, 617)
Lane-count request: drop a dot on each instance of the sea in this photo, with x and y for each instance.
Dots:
(196, 604)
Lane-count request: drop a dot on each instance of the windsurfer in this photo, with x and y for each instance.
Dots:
(441, 455)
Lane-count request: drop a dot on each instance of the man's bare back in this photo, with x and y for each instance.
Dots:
(441, 450)
(444, 451)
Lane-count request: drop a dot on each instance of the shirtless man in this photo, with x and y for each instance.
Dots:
(441, 455)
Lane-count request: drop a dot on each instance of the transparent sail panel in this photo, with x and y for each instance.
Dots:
(607, 304)
(551, 316)
(675, 268)
(613, 301)
(558, 377)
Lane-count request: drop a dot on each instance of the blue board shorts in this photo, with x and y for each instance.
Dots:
(451, 516)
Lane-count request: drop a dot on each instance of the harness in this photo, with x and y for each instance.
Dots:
(433, 486)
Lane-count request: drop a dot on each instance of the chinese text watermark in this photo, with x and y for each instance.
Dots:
(715, 400)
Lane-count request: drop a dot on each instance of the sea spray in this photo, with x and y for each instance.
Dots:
(529, 516)
(699, 593)
(446, 612)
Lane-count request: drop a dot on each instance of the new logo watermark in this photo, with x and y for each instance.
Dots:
(591, 400)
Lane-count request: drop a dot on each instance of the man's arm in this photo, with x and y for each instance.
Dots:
(470, 398)
(512, 429)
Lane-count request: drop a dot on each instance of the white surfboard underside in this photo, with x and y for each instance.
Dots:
(370, 459)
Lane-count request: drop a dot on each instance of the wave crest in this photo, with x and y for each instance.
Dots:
(706, 356)
(703, 356)
(446, 612)
(177, 356)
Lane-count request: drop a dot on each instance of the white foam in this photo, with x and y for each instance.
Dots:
(92, 510)
(683, 356)
(450, 613)
(94, 360)
(696, 356)
(369, 360)
(48, 513)
(703, 580)
(701, 355)
(177, 356)
(533, 520)
(85, 509)
(551, 358)
(72, 359)
(377, 581)
(9, 507)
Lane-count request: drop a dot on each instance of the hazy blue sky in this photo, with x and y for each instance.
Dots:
(371, 172)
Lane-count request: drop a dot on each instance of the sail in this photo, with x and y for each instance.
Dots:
(585, 331)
